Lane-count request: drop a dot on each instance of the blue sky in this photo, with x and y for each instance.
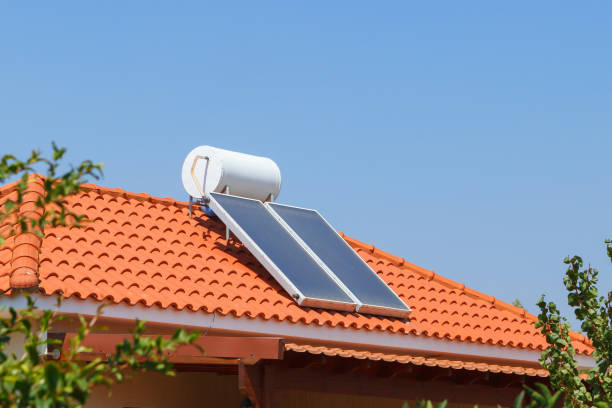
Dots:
(472, 138)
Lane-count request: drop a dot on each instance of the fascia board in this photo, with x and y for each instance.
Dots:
(288, 331)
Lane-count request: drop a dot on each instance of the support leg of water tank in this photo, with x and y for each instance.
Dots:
(226, 190)
(190, 206)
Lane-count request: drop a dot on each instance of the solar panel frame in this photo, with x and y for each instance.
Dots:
(271, 266)
(362, 306)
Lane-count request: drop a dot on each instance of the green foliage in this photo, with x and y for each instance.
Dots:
(32, 378)
(518, 303)
(540, 398)
(56, 186)
(595, 314)
(426, 404)
(36, 380)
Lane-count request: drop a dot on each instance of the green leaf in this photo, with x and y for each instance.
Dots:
(9, 205)
(51, 377)
(518, 402)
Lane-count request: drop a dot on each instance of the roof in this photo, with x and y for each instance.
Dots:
(455, 363)
(139, 249)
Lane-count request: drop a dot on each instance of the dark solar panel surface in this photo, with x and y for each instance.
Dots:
(281, 248)
(344, 262)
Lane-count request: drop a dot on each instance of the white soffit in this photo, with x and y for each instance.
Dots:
(287, 330)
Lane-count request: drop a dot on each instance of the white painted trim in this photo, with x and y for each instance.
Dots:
(289, 331)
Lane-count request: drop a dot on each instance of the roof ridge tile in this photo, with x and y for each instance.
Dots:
(26, 247)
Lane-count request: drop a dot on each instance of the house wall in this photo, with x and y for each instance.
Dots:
(152, 390)
(300, 399)
(15, 345)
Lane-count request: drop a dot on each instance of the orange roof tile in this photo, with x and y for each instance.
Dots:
(142, 249)
(418, 360)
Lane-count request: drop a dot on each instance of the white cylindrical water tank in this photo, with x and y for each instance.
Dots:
(209, 169)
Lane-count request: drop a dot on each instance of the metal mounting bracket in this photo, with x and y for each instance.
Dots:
(226, 190)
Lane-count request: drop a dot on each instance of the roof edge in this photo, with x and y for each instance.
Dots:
(340, 336)
(453, 362)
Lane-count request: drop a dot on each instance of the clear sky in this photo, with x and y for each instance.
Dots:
(472, 138)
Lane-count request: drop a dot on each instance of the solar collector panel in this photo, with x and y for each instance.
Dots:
(371, 291)
(301, 275)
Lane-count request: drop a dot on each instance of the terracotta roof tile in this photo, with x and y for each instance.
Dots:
(418, 360)
(22, 269)
(141, 249)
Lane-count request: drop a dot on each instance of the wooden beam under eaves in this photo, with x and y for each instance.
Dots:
(219, 349)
